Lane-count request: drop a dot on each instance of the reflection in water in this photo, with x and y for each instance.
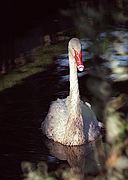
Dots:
(84, 160)
(116, 56)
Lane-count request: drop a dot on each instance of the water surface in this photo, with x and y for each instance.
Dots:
(24, 107)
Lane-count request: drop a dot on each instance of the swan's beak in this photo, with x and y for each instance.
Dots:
(78, 58)
(80, 67)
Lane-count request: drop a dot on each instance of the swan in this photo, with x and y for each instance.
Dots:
(70, 121)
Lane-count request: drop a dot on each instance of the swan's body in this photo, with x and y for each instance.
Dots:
(70, 121)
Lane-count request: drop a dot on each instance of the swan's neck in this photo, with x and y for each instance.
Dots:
(74, 106)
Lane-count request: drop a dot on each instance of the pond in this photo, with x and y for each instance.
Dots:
(24, 107)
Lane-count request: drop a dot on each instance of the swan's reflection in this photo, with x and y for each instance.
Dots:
(84, 160)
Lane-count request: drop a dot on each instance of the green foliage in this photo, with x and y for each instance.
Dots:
(124, 133)
(42, 58)
(30, 172)
(40, 172)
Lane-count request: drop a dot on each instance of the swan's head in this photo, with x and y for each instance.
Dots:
(75, 51)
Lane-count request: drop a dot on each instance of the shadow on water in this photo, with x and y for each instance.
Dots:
(23, 108)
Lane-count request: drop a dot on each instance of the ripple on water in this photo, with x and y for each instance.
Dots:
(116, 55)
(86, 43)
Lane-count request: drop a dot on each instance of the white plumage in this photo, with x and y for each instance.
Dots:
(70, 121)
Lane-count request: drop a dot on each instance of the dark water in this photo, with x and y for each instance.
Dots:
(23, 108)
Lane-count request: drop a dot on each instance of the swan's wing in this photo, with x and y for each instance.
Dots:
(88, 104)
(56, 119)
(87, 112)
(91, 124)
(100, 124)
